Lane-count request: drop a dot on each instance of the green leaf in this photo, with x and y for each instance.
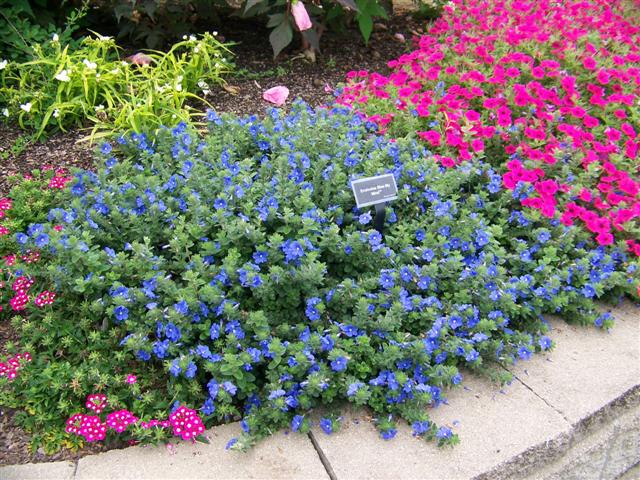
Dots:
(365, 23)
(280, 37)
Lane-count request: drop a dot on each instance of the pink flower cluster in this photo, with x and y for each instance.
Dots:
(12, 366)
(44, 298)
(22, 285)
(185, 422)
(96, 402)
(120, 420)
(88, 426)
(544, 84)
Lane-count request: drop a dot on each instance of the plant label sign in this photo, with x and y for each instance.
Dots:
(374, 190)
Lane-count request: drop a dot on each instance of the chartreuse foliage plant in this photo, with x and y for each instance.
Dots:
(63, 86)
(232, 274)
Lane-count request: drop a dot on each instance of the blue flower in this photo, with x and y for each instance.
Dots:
(364, 218)
(260, 257)
(339, 364)
(544, 236)
(296, 422)
(172, 332)
(326, 425)
(353, 388)
(420, 428)
(386, 279)
(220, 204)
(375, 239)
(106, 148)
(208, 407)
(175, 368)
(213, 388)
(544, 342)
(214, 331)
(443, 433)
(21, 238)
(42, 240)
(181, 307)
(121, 313)
(230, 388)
(191, 370)
(388, 434)
(524, 353)
(293, 250)
(311, 311)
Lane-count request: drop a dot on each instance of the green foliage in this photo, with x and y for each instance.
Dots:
(158, 21)
(232, 272)
(24, 23)
(64, 86)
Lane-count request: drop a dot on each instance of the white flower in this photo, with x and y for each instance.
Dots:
(202, 84)
(26, 106)
(98, 108)
(205, 92)
(56, 113)
(104, 38)
(63, 76)
(90, 65)
(184, 37)
(215, 34)
(124, 64)
(3, 64)
(192, 38)
(196, 50)
(5, 112)
(55, 38)
(179, 87)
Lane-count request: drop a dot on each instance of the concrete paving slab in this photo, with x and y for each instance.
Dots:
(604, 454)
(281, 456)
(39, 471)
(589, 368)
(493, 426)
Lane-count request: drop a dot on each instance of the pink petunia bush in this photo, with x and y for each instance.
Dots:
(548, 91)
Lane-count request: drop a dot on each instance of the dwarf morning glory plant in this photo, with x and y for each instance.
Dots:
(279, 299)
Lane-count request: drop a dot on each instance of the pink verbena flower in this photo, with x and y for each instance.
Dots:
(131, 379)
(22, 284)
(19, 302)
(92, 428)
(186, 423)
(44, 298)
(120, 420)
(96, 402)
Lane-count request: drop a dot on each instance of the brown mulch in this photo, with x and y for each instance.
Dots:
(257, 71)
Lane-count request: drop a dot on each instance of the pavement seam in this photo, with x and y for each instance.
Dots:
(323, 458)
(549, 404)
(75, 468)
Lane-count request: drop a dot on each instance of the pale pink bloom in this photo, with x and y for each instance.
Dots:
(276, 95)
(300, 16)
(139, 59)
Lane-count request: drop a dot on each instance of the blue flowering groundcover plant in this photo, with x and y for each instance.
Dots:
(231, 272)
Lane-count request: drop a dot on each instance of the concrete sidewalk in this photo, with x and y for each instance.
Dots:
(573, 413)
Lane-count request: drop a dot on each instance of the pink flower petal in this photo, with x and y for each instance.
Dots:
(276, 95)
(139, 59)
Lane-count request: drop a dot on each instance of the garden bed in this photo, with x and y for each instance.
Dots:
(258, 71)
(231, 272)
